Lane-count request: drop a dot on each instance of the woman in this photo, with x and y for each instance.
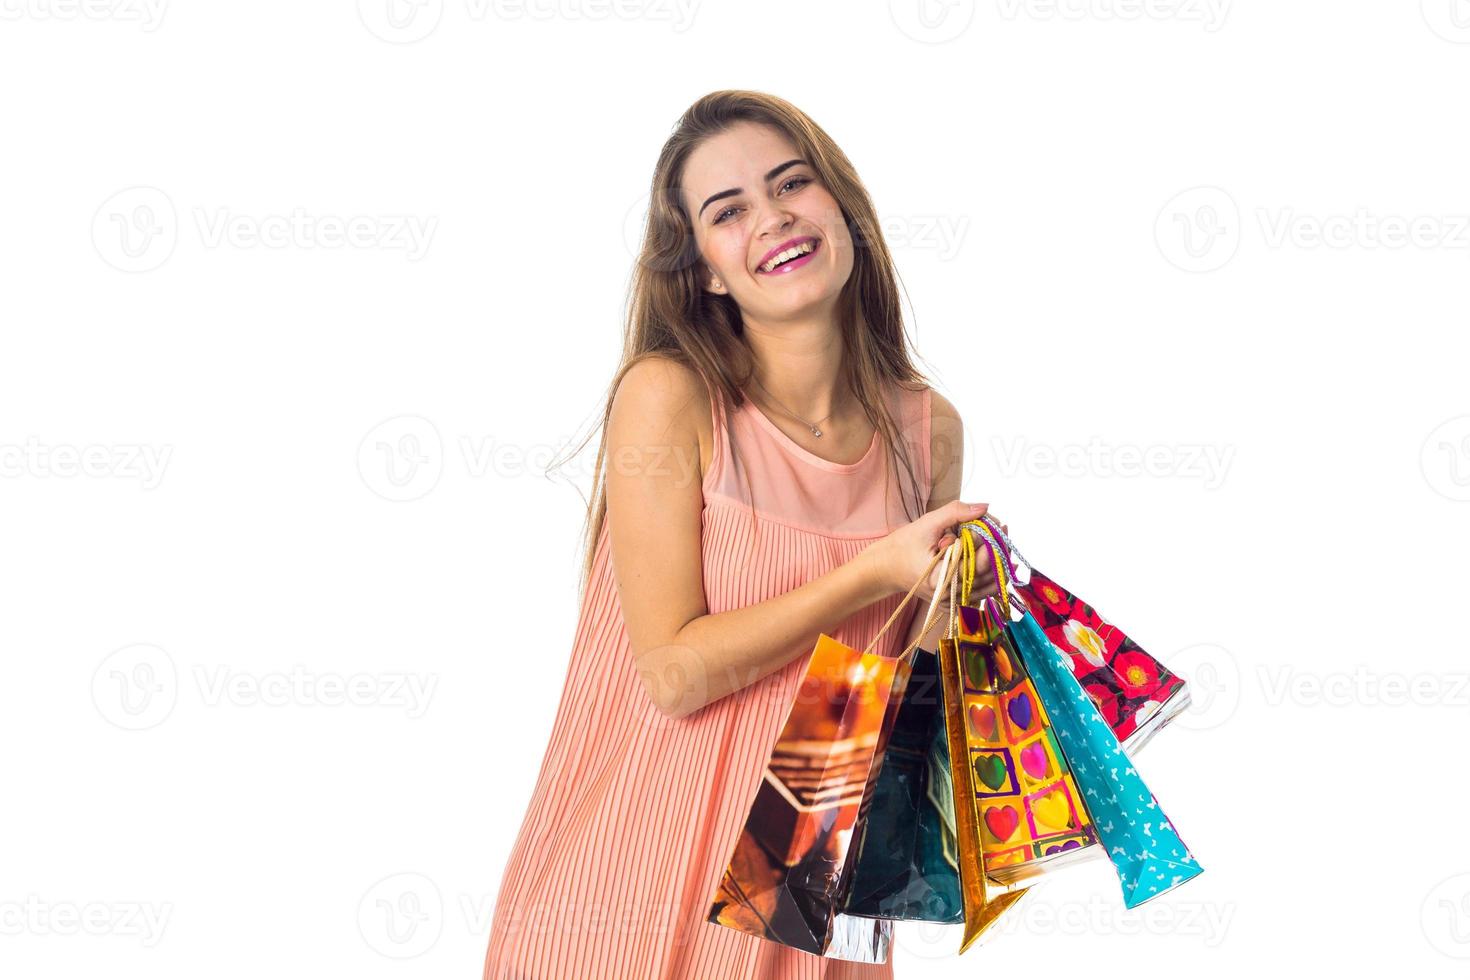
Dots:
(770, 454)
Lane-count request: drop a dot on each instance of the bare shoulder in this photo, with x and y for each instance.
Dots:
(941, 408)
(946, 450)
(661, 400)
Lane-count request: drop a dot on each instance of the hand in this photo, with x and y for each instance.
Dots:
(897, 560)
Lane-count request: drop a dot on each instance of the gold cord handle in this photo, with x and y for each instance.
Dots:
(899, 608)
(1002, 580)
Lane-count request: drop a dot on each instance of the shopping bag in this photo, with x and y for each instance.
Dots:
(984, 901)
(1135, 693)
(791, 871)
(1018, 783)
(906, 866)
(1013, 810)
(1143, 845)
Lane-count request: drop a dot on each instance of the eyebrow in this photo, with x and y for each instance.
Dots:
(770, 176)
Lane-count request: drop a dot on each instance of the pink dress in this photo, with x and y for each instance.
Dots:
(635, 814)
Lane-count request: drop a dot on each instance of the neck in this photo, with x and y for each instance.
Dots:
(801, 368)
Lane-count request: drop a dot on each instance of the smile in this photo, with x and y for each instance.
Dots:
(791, 259)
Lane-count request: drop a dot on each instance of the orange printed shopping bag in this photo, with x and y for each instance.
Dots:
(791, 870)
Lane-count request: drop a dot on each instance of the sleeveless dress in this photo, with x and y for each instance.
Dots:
(635, 814)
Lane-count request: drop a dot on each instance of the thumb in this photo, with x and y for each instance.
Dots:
(958, 512)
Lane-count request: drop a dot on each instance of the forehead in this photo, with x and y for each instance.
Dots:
(738, 157)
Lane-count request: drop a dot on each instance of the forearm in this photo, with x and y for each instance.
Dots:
(718, 653)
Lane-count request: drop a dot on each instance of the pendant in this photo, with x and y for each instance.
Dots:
(816, 432)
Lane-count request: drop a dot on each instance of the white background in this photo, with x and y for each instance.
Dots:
(1214, 231)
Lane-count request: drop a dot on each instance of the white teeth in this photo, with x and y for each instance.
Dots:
(790, 253)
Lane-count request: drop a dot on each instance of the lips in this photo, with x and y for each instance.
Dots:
(791, 243)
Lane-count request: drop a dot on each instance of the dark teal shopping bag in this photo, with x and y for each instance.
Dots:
(906, 863)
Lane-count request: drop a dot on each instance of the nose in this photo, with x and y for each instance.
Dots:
(775, 222)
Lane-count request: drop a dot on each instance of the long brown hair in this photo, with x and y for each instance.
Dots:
(670, 314)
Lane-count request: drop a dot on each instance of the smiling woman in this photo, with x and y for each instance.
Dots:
(763, 343)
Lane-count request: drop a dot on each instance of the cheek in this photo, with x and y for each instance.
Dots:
(829, 212)
(726, 253)
(828, 216)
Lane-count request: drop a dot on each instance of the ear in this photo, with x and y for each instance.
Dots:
(712, 282)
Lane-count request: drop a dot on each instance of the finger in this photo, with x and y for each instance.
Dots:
(958, 512)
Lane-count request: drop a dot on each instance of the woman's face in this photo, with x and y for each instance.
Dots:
(749, 195)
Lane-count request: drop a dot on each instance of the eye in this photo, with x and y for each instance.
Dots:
(800, 182)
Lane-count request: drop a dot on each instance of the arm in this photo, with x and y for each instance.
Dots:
(686, 656)
(946, 455)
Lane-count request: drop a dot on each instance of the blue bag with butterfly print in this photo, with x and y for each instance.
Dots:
(1142, 844)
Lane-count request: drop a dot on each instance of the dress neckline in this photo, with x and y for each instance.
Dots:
(749, 405)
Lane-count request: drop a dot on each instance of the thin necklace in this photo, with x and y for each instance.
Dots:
(810, 425)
